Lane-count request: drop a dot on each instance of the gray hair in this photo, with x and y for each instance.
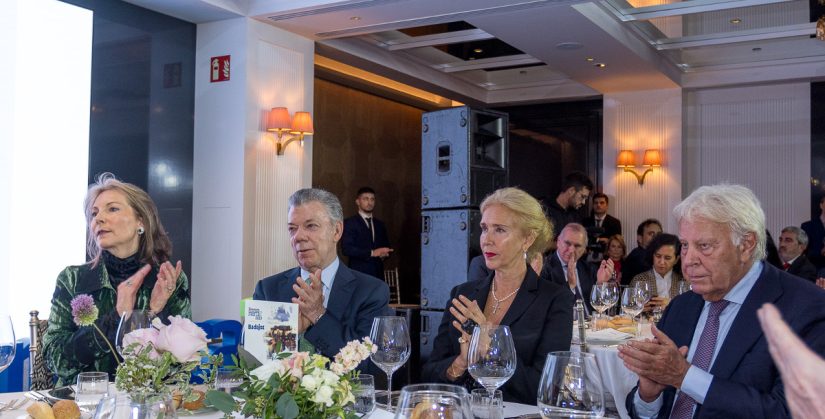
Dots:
(733, 205)
(801, 235)
(327, 199)
(576, 228)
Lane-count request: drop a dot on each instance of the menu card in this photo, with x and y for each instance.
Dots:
(270, 326)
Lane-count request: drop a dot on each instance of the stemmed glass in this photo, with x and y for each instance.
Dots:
(129, 322)
(8, 344)
(683, 287)
(492, 356)
(602, 297)
(633, 302)
(571, 386)
(391, 337)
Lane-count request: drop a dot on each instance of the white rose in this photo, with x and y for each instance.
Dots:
(324, 395)
(309, 382)
(266, 370)
(330, 378)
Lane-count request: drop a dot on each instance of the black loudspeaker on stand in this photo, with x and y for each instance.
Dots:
(464, 156)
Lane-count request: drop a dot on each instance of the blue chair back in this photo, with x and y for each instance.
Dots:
(16, 377)
(224, 336)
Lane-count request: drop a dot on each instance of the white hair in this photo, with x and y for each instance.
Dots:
(733, 205)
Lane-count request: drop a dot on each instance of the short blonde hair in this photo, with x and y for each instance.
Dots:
(620, 239)
(154, 245)
(530, 218)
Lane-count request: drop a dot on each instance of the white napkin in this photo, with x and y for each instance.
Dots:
(608, 335)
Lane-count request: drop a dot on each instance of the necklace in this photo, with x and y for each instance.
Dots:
(497, 300)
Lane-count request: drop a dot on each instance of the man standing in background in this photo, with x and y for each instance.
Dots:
(575, 189)
(365, 239)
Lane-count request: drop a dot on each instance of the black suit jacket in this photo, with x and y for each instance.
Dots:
(356, 243)
(611, 225)
(540, 319)
(746, 382)
(554, 271)
(635, 263)
(354, 300)
(803, 268)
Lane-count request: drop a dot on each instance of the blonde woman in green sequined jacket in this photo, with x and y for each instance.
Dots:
(129, 270)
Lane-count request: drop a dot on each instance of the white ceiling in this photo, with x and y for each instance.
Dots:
(689, 44)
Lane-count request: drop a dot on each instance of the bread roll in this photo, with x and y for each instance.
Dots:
(197, 404)
(40, 410)
(66, 409)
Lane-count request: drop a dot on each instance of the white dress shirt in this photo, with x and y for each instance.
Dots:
(327, 278)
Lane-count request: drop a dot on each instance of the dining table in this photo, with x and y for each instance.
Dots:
(511, 410)
(617, 380)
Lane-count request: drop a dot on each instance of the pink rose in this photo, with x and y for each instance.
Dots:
(142, 337)
(182, 338)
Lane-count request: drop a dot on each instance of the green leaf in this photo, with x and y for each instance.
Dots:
(220, 400)
(286, 406)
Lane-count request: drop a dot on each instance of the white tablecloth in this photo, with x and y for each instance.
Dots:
(510, 410)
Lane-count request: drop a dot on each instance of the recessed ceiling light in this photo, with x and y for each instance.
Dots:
(589, 59)
(756, 49)
(356, 18)
(600, 65)
(736, 21)
(478, 50)
(523, 72)
(569, 45)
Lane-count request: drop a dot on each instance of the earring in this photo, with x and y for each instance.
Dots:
(525, 255)
(140, 230)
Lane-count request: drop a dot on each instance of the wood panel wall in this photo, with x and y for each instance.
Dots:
(365, 140)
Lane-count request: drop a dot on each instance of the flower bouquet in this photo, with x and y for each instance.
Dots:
(163, 358)
(296, 385)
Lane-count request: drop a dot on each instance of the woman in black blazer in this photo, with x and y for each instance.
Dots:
(539, 313)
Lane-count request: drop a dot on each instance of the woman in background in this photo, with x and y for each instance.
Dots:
(663, 280)
(616, 251)
(539, 313)
(129, 270)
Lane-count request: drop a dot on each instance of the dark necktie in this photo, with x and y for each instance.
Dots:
(598, 222)
(372, 230)
(683, 409)
(785, 266)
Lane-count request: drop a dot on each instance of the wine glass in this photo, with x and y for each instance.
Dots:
(129, 322)
(436, 401)
(8, 344)
(644, 289)
(633, 302)
(610, 294)
(391, 338)
(492, 356)
(683, 287)
(571, 386)
(597, 302)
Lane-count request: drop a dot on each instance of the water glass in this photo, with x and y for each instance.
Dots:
(571, 386)
(683, 287)
(91, 388)
(228, 379)
(364, 392)
(435, 401)
(123, 406)
(8, 344)
(486, 407)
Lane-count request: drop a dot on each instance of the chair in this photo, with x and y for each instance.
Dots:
(224, 337)
(40, 377)
(391, 278)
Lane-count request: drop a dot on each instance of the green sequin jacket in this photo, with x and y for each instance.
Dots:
(70, 349)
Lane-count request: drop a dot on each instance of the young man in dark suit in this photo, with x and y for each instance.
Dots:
(601, 225)
(336, 304)
(365, 239)
(709, 358)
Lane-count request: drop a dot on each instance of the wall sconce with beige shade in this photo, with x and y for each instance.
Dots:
(627, 161)
(279, 122)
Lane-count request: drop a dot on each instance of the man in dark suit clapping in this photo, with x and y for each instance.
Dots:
(709, 358)
(336, 304)
(365, 239)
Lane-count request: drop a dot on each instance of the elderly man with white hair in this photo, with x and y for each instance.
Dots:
(709, 357)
